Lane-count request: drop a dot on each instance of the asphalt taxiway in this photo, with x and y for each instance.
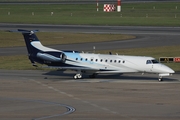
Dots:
(145, 37)
(41, 95)
(52, 95)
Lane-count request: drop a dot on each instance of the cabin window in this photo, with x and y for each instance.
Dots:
(76, 58)
(106, 60)
(91, 59)
(119, 61)
(86, 59)
(115, 61)
(110, 60)
(101, 60)
(96, 60)
(81, 59)
(123, 61)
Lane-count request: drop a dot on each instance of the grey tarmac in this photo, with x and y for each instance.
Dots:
(30, 94)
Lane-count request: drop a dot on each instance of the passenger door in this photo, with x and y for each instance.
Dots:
(149, 66)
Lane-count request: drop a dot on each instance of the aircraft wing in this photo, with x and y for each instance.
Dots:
(72, 68)
(87, 69)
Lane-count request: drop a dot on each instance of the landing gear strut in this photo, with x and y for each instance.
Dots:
(160, 79)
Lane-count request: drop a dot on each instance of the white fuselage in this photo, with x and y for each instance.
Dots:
(117, 63)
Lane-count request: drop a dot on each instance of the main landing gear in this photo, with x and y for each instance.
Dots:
(93, 75)
(78, 76)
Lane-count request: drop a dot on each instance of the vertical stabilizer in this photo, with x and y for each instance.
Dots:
(29, 37)
(37, 52)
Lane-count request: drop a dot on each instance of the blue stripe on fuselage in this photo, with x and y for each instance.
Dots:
(73, 56)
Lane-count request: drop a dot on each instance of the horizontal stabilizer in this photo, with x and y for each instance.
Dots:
(24, 31)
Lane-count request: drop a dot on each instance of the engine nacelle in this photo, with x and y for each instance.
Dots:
(52, 56)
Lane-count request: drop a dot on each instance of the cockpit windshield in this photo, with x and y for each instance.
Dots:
(152, 61)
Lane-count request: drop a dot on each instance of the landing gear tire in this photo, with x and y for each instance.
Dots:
(75, 77)
(160, 79)
(79, 76)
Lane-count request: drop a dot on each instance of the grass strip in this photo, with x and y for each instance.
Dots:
(137, 14)
(8, 39)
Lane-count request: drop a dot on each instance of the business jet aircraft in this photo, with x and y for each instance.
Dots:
(90, 63)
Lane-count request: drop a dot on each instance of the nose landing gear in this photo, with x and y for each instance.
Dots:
(162, 75)
(160, 79)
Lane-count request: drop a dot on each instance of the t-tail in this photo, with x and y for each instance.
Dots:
(37, 52)
(30, 37)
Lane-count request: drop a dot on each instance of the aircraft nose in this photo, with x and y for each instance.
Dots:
(168, 70)
(172, 71)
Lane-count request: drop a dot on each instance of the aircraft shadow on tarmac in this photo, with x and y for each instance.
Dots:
(121, 77)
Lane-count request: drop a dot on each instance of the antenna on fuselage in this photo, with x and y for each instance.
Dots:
(94, 49)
